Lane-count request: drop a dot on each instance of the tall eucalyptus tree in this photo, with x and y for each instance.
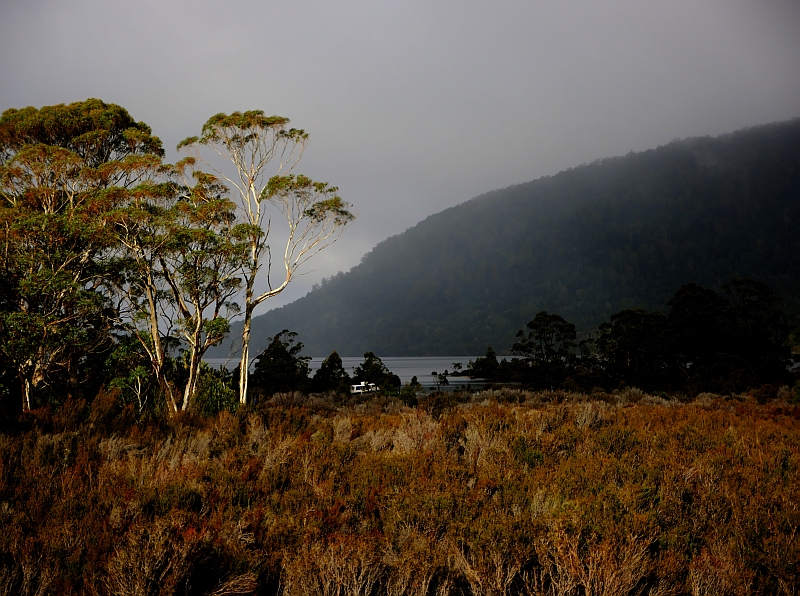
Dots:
(314, 213)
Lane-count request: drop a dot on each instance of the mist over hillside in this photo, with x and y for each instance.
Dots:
(618, 233)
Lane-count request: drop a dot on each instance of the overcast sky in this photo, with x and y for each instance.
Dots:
(413, 106)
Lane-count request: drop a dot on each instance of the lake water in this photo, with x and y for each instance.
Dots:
(404, 367)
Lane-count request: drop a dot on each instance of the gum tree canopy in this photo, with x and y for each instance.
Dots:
(61, 172)
(313, 212)
(98, 234)
(178, 269)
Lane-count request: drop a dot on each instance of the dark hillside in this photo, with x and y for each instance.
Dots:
(618, 233)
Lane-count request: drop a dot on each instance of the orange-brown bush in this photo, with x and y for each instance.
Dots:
(523, 494)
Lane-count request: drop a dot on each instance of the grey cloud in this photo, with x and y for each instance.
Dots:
(418, 105)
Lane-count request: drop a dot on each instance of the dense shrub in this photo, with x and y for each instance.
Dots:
(501, 492)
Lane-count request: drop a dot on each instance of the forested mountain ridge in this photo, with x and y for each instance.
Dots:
(618, 233)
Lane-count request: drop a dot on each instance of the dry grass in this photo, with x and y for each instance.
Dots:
(505, 493)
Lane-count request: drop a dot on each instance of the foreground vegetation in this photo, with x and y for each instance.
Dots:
(502, 492)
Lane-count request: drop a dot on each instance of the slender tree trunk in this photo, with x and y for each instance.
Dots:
(191, 383)
(250, 306)
(158, 357)
(164, 385)
(30, 379)
(26, 395)
(157, 361)
(72, 370)
(198, 349)
(244, 364)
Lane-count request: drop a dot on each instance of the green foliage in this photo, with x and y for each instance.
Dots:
(485, 367)
(98, 235)
(331, 375)
(548, 348)
(440, 378)
(707, 343)
(131, 373)
(95, 131)
(635, 348)
(201, 261)
(280, 368)
(373, 370)
(526, 453)
(317, 201)
(216, 391)
(64, 170)
(409, 392)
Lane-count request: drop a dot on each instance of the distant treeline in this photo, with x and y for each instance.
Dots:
(706, 343)
(591, 241)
